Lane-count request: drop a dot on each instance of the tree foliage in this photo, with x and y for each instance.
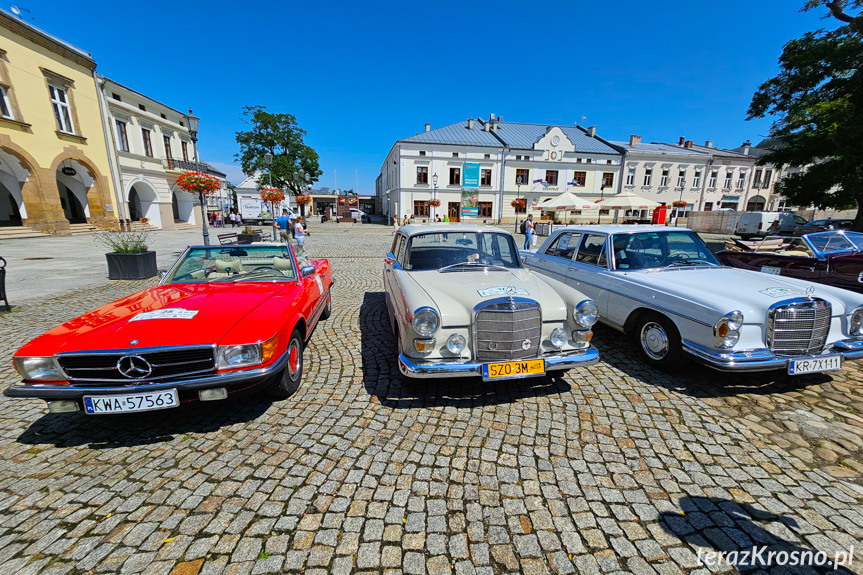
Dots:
(817, 102)
(280, 135)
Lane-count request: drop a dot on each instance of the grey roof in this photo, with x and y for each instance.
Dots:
(659, 148)
(524, 136)
(714, 151)
(457, 134)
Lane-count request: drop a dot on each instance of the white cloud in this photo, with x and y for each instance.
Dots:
(233, 171)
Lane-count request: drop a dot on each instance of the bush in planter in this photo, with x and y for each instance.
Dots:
(249, 235)
(129, 258)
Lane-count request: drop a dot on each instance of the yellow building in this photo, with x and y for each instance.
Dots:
(54, 163)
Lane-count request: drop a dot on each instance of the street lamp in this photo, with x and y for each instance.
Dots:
(268, 159)
(601, 197)
(434, 193)
(192, 123)
(518, 182)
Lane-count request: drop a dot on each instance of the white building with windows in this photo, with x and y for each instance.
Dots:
(152, 148)
(478, 168)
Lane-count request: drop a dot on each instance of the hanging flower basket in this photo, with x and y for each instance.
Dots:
(678, 204)
(272, 195)
(197, 182)
(518, 204)
(435, 203)
(303, 200)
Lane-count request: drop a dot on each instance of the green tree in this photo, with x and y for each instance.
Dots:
(817, 102)
(280, 135)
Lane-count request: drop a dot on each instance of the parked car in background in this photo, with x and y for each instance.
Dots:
(460, 302)
(665, 287)
(822, 226)
(753, 224)
(223, 319)
(834, 258)
(359, 215)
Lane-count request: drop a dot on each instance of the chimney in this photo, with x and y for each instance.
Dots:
(485, 126)
(428, 127)
(591, 132)
(708, 144)
(687, 144)
(491, 117)
(470, 123)
(746, 145)
(500, 118)
(634, 140)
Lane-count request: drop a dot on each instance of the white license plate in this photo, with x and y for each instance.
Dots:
(815, 364)
(101, 404)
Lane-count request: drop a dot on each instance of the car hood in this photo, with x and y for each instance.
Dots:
(455, 294)
(207, 312)
(724, 289)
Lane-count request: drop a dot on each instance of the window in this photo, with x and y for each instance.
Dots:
(564, 246)
(148, 145)
(5, 108)
(608, 180)
(696, 181)
(591, 250)
(757, 181)
(142, 107)
(648, 176)
(422, 175)
(488, 156)
(768, 175)
(62, 111)
(608, 162)
(708, 206)
(713, 176)
(116, 96)
(455, 154)
(589, 160)
(524, 175)
(122, 138)
(630, 177)
(164, 117)
(663, 180)
(729, 175)
(484, 209)
(167, 140)
(454, 176)
(422, 152)
(421, 208)
(551, 177)
(485, 178)
(681, 178)
(579, 178)
(741, 182)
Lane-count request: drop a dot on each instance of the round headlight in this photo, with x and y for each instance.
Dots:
(425, 321)
(586, 313)
(855, 326)
(456, 343)
(730, 339)
(558, 337)
(734, 320)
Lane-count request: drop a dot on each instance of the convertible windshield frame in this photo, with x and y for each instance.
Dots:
(842, 240)
(476, 242)
(233, 263)
(649, 250)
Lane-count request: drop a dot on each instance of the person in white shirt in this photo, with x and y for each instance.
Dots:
(300, 233)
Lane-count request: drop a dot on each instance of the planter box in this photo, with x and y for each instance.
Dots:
(131, 266)
(249, 238)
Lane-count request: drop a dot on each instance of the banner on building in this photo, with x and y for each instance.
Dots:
(470, 175)
(469, 204)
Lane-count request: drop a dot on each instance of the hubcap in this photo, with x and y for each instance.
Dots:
(294, 358)
(654, 340)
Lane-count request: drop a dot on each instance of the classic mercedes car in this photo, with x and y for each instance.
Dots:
(833, 258)
(665, 286)
(223, 319)
(461, 303)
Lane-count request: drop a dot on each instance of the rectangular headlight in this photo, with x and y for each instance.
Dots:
(234, 356)
(38, 368)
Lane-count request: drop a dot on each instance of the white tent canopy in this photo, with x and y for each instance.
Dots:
(567, 201)
(626, 201)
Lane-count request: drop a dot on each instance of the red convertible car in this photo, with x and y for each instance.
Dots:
(223, 319)
(834, 258)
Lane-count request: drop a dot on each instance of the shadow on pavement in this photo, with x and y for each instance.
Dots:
(144, 428)
(382, 378)
(716, 525)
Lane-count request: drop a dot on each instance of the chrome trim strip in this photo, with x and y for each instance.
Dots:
(451, 368)
(764, 359)
(146, 350)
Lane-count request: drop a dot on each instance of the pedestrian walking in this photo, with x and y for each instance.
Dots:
(300, 231)
(529, 231)
(395, 224)
(284, 223)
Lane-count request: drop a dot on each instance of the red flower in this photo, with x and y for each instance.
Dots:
(272, 195)
(303, 200)
(198, 182)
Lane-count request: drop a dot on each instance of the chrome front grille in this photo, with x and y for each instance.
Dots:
(509, 329)
(166, 364)
(799, 327)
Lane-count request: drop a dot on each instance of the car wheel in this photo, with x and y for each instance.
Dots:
(288, 381)
(659, 341)
(327, 311)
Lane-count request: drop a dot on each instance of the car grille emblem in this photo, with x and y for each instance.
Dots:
(134, 366)
(525, 344)
(134, 342)
(511, 290)
(810, 291)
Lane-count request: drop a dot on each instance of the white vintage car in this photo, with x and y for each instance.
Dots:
(461, 303)
(665, 286)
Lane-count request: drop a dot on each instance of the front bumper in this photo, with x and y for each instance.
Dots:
(455, 368)
(764, 359)
(233, 381)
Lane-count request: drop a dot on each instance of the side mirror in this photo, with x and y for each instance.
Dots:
(163, 273)
(307, 271)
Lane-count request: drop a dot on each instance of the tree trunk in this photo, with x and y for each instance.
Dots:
(858, 220)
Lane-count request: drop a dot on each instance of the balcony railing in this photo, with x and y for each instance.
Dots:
(174, 164)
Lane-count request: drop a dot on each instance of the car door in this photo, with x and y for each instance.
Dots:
(588, 271)
(393, 267)
(555, 260)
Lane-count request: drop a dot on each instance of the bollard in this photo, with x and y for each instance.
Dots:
(3, 284)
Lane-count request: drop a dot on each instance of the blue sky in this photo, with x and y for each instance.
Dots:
(359, 76)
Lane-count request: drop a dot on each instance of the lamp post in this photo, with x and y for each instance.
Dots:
(192, 123)
(268, 159)
(518, 182)
(601, 197)
(434, 194)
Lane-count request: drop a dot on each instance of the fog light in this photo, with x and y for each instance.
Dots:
(558, 337)
(214, 394)
(456, 343)
(424, 345)
(63, 406)
(582, 336)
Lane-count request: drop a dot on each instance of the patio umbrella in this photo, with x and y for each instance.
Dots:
(627, 201)
(566, 202)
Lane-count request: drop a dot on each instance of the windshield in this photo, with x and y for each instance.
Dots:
(233, 263)
(830, 242)
(461, 250)
(648, 250)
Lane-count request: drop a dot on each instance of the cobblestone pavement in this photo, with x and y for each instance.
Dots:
(614, 468)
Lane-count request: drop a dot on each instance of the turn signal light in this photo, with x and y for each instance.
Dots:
(722, 331)
(268, 348)
(424, 345)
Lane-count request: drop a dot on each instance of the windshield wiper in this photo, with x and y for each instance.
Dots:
(683, 263)
(452, 267)
(246, 275)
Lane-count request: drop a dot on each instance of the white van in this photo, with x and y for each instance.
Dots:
(753, 224)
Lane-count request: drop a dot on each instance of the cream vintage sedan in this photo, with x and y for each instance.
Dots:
(461, 303)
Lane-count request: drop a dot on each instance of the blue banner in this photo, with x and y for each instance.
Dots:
(470, 212)
(470, 175)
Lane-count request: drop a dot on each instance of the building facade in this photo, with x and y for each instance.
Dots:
(54, 160)
(493, 171)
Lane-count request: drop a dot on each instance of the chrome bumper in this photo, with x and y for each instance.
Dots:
(456, 368)
(764, 359)
(233, 379)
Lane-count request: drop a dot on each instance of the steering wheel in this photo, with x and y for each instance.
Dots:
(262, 268)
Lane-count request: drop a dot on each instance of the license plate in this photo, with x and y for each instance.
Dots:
(513, 369)
(815, 364)
(101, 404)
